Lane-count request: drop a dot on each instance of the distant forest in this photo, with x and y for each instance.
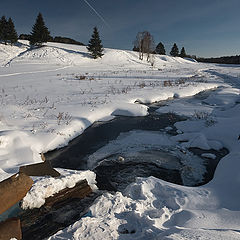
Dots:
(221, 60)
(55, 39)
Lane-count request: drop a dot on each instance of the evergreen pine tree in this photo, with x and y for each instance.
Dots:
(160, 49)
(11, 32)
(94, 46)
(3, 29)
(174, 51)
(40, 33)
(183, 53)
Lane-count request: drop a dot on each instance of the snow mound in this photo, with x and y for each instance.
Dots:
(44, 54)
(140, 213)
(169, 59)
(131, 58)
(8, 52)
(57, 53)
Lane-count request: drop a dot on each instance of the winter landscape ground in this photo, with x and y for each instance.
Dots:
(50, 95)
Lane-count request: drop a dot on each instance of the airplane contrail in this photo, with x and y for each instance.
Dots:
(98, 14)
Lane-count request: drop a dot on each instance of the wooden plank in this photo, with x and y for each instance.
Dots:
(39, 169)
(58, 212)
(80, 190)
(14, 189)
(41, 223)
(11, 228)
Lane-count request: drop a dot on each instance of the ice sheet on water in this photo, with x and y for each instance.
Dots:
(146, 147)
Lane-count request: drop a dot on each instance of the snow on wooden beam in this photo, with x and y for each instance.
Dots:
(81, 190)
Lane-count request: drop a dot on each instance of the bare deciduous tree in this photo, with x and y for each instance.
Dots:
(138, 44)
(144, 42)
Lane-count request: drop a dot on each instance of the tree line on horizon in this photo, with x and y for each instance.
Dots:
(221, 60)
(58, 39)
(144, 43)
(40, 34)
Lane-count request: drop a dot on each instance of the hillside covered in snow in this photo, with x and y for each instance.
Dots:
(50, 95)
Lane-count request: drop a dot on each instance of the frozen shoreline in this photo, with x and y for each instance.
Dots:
(50, 106)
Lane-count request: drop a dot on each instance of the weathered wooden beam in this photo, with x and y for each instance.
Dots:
(11, 228)
(41, 223)
(14, 189)
(39, 169)
(80, 190)
(58, 212)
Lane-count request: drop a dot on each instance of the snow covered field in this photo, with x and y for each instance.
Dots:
(50, 95)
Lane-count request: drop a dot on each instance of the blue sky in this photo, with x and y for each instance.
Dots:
(204, 27)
